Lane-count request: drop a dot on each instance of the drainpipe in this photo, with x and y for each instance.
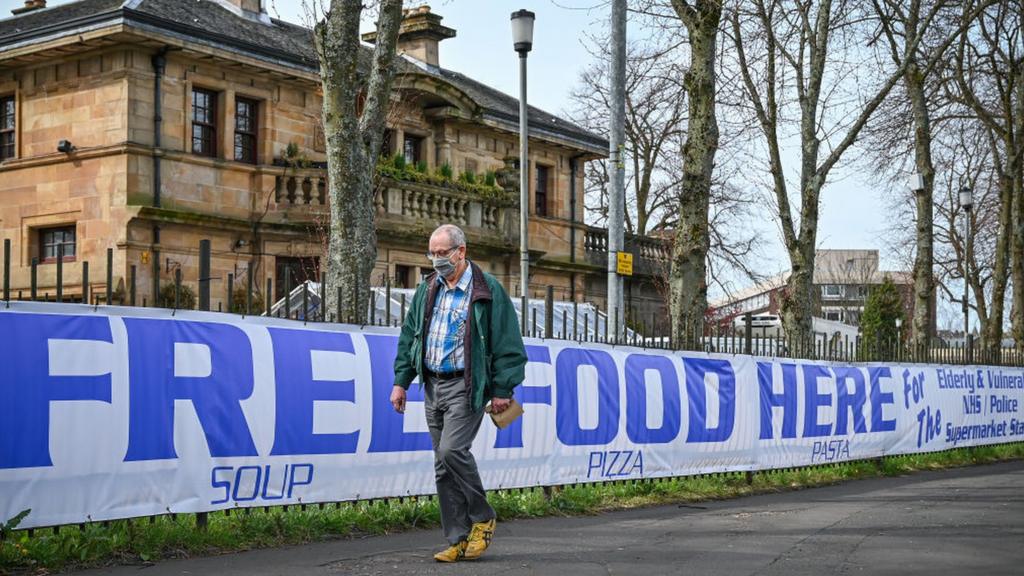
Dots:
(573, 173)
(159, 65)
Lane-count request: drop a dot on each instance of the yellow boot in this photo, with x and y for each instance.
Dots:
(479, 539)
(453, 553)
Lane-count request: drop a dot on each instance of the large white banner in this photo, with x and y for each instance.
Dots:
(117, 412)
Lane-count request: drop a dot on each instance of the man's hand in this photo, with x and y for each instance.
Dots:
(398, 399)
(499, 405)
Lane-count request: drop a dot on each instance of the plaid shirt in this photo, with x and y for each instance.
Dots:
(444, 350)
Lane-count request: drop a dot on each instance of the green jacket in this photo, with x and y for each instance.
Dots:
(495, 359)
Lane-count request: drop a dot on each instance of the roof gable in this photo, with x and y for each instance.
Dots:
(274, 41)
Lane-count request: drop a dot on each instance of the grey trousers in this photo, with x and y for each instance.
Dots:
(453, 426)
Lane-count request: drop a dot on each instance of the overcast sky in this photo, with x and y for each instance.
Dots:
(852, 208)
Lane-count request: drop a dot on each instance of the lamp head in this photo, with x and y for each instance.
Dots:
(522, 30)
(916, 182)
(966, 198)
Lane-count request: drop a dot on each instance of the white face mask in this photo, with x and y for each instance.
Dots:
(443, 265)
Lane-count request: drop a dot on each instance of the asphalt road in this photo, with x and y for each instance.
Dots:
(964, 522)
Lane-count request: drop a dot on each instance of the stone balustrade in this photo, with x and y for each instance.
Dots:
(301, 188)
(437, 204)
(651, 255)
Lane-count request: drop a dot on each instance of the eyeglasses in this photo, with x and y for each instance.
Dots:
(441, 254)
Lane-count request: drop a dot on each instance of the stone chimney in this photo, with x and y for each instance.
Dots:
(255, 6)
(252, 9)
(419, 35)
(29, 6)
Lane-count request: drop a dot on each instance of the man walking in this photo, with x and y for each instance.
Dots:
(461, 338)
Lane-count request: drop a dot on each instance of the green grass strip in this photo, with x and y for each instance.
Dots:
(142, 540)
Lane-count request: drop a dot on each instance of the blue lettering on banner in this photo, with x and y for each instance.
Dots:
(637, 367)
(786, 400)
(848, 402)
(567, 425)
(512, 435)
(880, 399)
(387, 433)
(813, 400)
(696, 370)
(248, 483)
(297, 390)
(830, 450)
(27, 388)
(615, 463)
(154, 386)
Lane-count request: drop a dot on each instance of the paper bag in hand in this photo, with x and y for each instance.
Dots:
(508, 416)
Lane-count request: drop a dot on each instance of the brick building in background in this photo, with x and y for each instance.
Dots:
(184, 120)
(842, 281)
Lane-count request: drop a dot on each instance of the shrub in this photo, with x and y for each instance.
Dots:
(883, 308)
(186, 297)
(238, 302)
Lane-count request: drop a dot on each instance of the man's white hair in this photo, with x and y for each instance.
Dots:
(455, 234)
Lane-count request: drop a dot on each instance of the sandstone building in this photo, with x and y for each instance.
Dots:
(147, 125)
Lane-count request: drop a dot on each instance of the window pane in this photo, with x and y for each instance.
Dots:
(411, 149)
(201, 107)
(6, 145)
(7, 114)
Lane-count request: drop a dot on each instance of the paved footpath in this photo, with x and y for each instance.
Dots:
(965, 521)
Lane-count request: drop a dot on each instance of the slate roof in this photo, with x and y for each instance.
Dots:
(273, 40)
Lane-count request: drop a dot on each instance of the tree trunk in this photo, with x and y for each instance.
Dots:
(1017, 255)
(993, 334)
(353, 145)
(1017, 309)
(688, 274)
(924, 282)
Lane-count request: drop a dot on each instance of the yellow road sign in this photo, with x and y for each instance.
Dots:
(624, 261)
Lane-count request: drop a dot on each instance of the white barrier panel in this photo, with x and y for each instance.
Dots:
(116, 413)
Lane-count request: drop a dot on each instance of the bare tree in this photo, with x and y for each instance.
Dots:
(900, 26)
(987, 77)
(654, 124)
(688, 272)
(965, 158)
(354, 112)
(783, 47)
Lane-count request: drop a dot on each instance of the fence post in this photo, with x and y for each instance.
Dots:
(287, 292)
(204, 275)
(85, 282)
(131, 286)
(177, 288)
(969, 350)
(156, 278)
(373, 307)
(387, 301)
(231, 292)
(7, 269)
(110, 276)
(305, 301)
(748, 333)
(248, 288)
(524, 310)
(549, 312)
(60, 273)
(34, 285)
(337, 305)
(270, 295)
